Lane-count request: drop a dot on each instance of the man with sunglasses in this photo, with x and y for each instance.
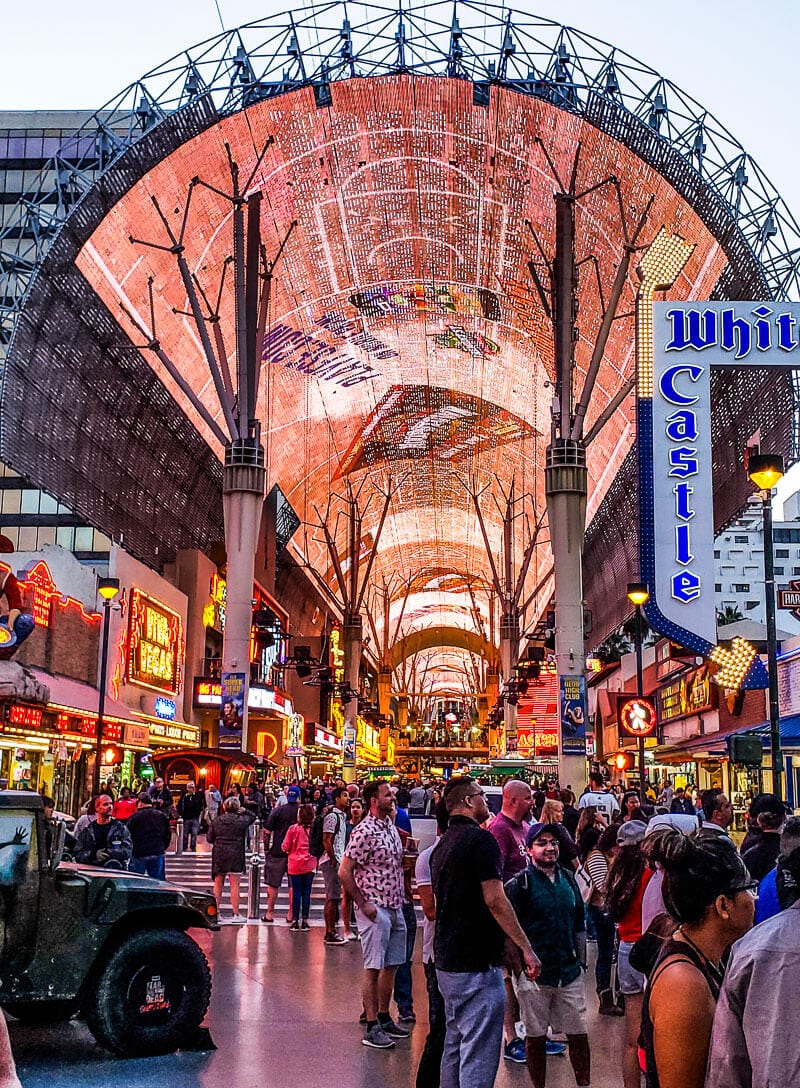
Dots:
(550, 910)
(473, 918)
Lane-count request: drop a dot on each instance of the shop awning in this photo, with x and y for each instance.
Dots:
(73, 695)
(715, 745)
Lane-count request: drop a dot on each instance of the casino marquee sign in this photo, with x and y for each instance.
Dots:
(677, 345)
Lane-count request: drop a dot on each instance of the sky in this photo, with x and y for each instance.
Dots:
(738, 59)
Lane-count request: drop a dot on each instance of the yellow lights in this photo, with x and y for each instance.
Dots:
(765, 470)
(209, 615)
(638, 593)
(108, 588)
(594, 664)
(658, 269)
(733, 664)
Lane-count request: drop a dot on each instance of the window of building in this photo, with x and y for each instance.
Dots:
(778, 570)
(740, 539)
(795, 570)
(84, 539)
(750, 605)
(741, 587)
(781, 553)
(27, 538)
(47, 504)
(787, 536)
(11, 501)
(65, 537)
(45, 535)
(718, 587)
(30, 502)
(717, 553)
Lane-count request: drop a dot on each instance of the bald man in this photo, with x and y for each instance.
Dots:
(510, 826)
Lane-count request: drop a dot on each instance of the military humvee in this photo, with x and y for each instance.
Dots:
(108, 945)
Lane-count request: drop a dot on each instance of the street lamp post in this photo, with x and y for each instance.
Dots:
(637, 595)
(765, 470)
(108, 588)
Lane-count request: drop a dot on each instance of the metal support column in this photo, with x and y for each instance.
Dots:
(565, 487)
(242, 500)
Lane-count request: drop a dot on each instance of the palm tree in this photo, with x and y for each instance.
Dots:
(729, 614)
(614, 648)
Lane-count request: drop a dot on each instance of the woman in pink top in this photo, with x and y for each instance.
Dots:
(302, 865)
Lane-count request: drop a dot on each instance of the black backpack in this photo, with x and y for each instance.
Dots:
(315, 845)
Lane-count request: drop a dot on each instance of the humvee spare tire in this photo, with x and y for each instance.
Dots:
(41, 1012)
(150, 995)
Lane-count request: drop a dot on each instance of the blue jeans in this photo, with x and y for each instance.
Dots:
(190, 832)
(402, 980)
(604, 929)
(301, 894)
(474, 1004)
(151, 866)
(430, 1064)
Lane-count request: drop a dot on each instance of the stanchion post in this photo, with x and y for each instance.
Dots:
(255, 831)
(254, 888)
(179, 837)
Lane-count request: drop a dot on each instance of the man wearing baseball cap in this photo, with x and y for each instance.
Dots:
(550, 910)
(280, 819)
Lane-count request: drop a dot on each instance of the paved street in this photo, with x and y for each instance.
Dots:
(283, 1008)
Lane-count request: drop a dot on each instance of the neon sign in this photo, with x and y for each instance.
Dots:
(155, 644)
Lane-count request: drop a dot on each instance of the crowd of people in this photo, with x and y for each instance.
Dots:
(510, 902)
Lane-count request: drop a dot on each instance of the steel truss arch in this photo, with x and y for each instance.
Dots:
(484, 43)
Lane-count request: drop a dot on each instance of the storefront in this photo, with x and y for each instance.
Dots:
(323, 752)
(271, 721)
(52, 748)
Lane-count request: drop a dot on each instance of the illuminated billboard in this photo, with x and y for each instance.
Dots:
(155, 645)
(405, 336)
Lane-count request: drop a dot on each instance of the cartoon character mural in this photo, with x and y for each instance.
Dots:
(15, 624)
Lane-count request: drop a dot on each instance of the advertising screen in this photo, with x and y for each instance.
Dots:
(406, 339)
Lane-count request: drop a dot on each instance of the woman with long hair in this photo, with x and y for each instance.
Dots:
(302, 865)
(601, 847)
(628, 876)
(709, 892)
(227, 835)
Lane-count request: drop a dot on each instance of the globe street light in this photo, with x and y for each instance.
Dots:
(765, 470)
(108, 588)
(638, 594)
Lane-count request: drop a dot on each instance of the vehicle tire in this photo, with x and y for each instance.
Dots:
(150, 995)
(41, 1012)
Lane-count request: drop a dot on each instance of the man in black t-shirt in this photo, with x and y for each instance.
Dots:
(473, 918)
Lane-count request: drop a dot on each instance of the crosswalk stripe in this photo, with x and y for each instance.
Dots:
(193, 871)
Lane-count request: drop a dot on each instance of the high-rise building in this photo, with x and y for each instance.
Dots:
(739, 563)
(33, 144)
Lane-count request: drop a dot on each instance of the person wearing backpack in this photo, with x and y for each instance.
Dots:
(333, 833)
(302, 865)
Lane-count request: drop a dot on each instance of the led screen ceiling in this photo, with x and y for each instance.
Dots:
(406, 340)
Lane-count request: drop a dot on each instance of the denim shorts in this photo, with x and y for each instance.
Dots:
(630, 980)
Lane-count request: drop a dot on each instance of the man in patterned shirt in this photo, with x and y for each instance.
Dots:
(372, 875)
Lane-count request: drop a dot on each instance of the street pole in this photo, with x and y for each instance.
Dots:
(108, 588)
(640, 693)
(765, 470)
(772, 647)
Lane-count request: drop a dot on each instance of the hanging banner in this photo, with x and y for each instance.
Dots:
(573, 715)
(349, 746)
(231, 719)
